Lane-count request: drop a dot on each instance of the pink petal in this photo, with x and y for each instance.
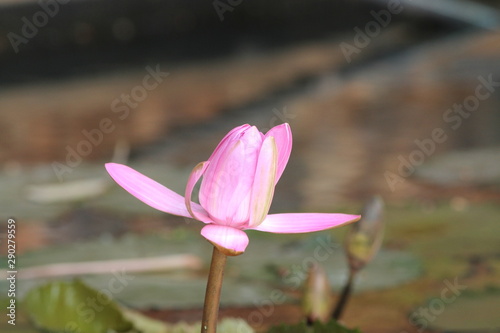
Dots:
(206, 189)
(227, 182)
(229, 138)
(304, 222)
(219, 181)
(240, 175)
(197, 212)
(229, 241)
(283, 136)
(220, 170)
(263, 184)
(149, 191)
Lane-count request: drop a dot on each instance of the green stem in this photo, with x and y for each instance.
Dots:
(344, 297)
(212, 295)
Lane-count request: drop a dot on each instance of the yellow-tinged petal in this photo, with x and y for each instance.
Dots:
(264, 182)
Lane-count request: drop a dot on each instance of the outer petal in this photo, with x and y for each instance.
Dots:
(196, 212)
(230, 137)
(230, 241)
(283, 136)
(224, 169)
(304, 222)
(263, 184)
(239, 175)
(149, 191)
(219, 181)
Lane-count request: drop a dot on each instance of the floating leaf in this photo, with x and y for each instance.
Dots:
(455, 311)
(231, 325)
(317, 327)
(145, 324)
(74, 307)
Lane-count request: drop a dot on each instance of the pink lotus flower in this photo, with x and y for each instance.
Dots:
(236, 190)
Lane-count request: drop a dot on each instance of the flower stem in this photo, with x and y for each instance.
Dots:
(346, 293)
(212, 294)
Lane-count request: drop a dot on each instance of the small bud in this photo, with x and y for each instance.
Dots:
(317, 300)
(365, 237)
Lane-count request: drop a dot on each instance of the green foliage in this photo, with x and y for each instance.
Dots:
(317, 327)
(462, 311)
(73, 307)
(145, 324)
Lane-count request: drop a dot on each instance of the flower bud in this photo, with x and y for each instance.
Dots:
(365, 237)
(317, 300)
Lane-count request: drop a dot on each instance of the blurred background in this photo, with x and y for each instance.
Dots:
(393, 98)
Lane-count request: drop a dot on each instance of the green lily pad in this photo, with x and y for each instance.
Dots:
(148, 325)
(317, 327)
(73, 306)
(389, 268)
(126, 247)
(270, 261)
(285, 261)
(467, 312)
(182, 289)
(76, 307)
(14, 203)
(15, 190)
(179, 291)
(474, 167)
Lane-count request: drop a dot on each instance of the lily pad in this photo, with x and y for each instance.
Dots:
(316, 327)
(14, 203)
(63, 307)
(179, 292)
(286, 261)
(389, 268)
(469, 312)
(271, 262)
(145, 324)
(74, 306)
(473, 167)
(126, 247)
(17, 187)
(182, 289)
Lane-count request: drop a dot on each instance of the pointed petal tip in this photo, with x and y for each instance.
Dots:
(355, 218)
(304, 222)
(283, 139)
(264, 182)
(150, 192)
(112, 166)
